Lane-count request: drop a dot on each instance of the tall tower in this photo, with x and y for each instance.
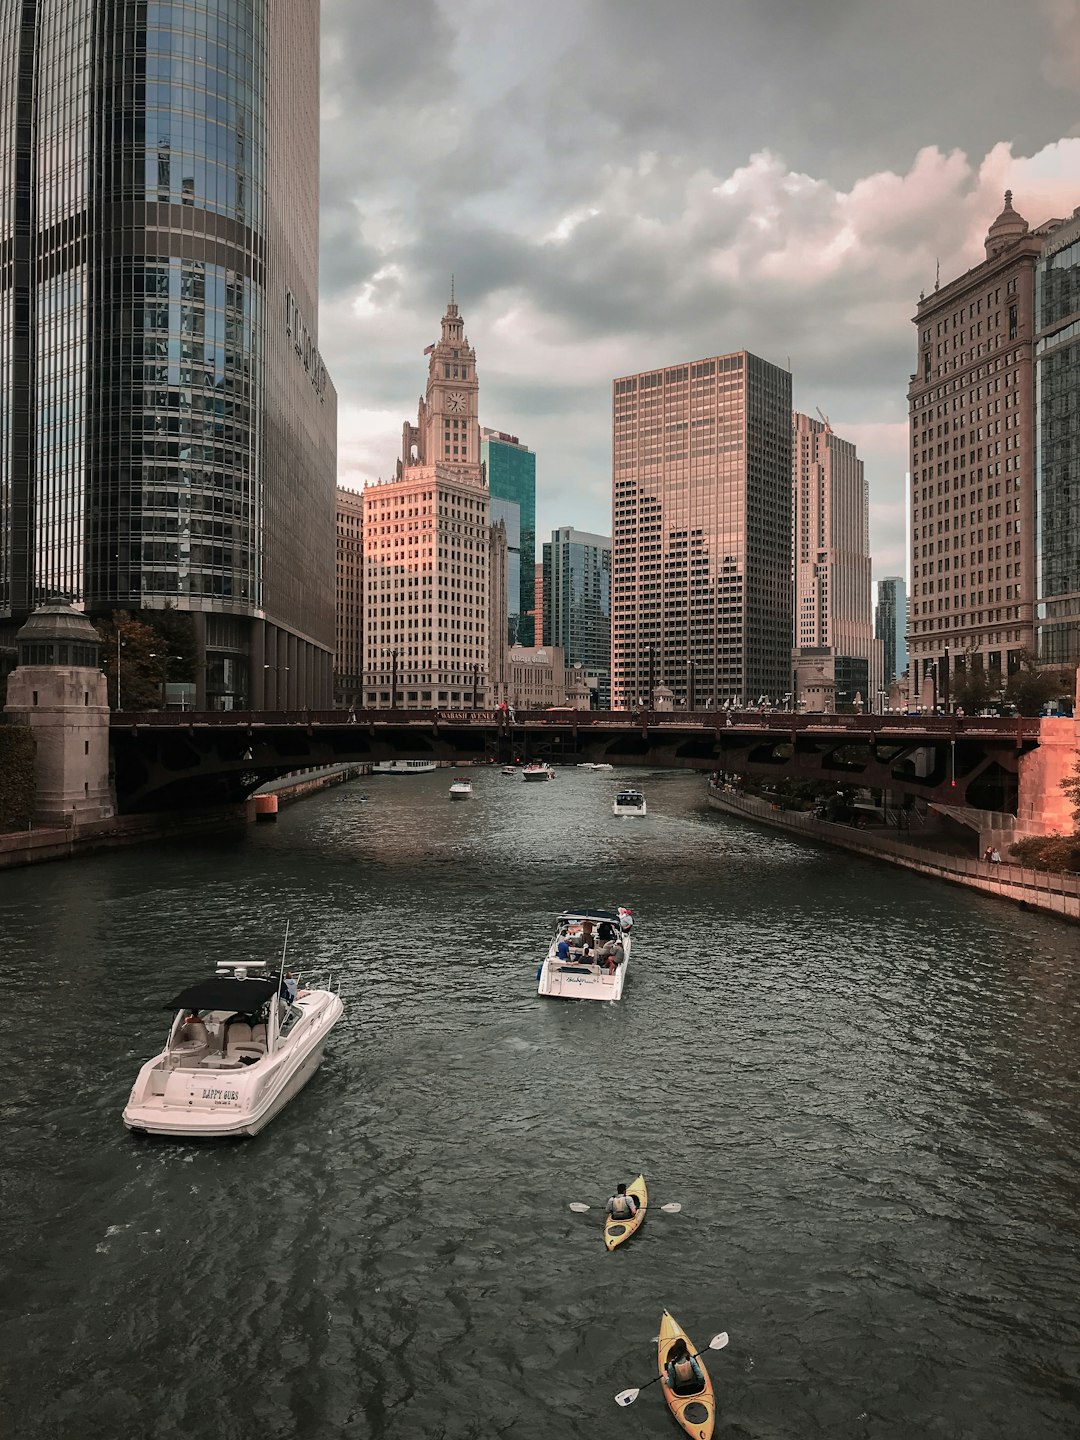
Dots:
(890, 627)
(577, 577)
(511, 474)
(835, 654)
(1057, 295)
(167, 427)
(701, 537)
(427, 548)
(972, 420)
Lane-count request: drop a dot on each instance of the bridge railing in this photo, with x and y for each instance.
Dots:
(946, 726)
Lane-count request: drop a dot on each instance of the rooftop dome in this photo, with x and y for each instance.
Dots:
(1008, 226)
(58, 634)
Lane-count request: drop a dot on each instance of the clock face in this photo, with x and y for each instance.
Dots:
(455, 402)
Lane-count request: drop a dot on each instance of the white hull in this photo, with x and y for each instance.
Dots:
(629, 809)
(542, 773)
(460, 794)
(207, 1097)
(574, 980)
(404, 767)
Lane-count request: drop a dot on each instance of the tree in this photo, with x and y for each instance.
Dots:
(1030, 688)
(974, 688)
(1071, 786)
(134, 661)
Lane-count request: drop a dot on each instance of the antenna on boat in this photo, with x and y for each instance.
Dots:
(284, 948)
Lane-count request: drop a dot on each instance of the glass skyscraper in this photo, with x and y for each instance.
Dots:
(577, 606)
(167, 427)
(511, 475)
(1057, 378)
(890, 626)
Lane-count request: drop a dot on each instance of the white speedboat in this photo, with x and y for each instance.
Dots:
(509, 770)
(537, 770)
(588, 955)
(595, 765)
(403, 767)
(460, 789)
(237, 1052)
(629, 802)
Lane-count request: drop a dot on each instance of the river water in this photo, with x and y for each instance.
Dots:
(860, 1086)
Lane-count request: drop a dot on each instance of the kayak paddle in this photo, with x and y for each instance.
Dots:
(627, 1397)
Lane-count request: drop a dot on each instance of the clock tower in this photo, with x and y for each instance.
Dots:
(447, 429)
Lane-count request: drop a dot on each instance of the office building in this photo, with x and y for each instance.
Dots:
(536, 677)
(427, 543)
(1057, 315)
(972, 421)
(835, 659)
(890, 627)
(511, 476)
(577, 582)
(168, 431)
(498, 601)
(349, 650)
(701, 539)
(541, 622)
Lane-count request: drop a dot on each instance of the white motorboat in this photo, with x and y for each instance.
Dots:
(403, 767)
(595, 765)
(537, 770)
(461, 789)
(629, 802)
(588, 955)
(238, 1051)
(509, 770)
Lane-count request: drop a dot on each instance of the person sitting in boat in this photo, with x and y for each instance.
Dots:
(622, 1206)
(605, 932)
(682, 1373)
(562, 949)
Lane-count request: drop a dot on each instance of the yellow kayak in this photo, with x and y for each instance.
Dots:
(695, 1413)
(616, 1231)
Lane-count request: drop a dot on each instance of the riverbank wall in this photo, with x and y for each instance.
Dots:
(36, 845)
(1041, 890)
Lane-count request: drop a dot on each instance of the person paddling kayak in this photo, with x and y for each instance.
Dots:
(682, 1373)
(622, 1206)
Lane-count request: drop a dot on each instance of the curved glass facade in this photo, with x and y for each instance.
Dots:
(180, 449)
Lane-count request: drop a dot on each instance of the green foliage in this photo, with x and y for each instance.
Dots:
(1030, 688)
(18, 790)
(1048, 852)
(155, 646)
(1071, 786)
(975, 689)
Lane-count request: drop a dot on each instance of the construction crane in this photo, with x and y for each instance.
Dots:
(824, 417)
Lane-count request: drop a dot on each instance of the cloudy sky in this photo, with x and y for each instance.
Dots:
(622, 184)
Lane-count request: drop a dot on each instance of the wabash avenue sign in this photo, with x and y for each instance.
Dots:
(307, 351)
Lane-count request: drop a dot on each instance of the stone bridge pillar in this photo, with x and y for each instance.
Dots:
(1043, 807)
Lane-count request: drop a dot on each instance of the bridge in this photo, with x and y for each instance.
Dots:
(166, 760)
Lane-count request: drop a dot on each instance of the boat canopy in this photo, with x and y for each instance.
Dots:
(629, 795)
(589, 912)
(224, 992)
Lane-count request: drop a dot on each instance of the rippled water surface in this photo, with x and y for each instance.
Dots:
(861, 1087)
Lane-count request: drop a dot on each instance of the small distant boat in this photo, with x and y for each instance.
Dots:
(616, 1230)
(537, 770)
(595, 765)
(461, 789)
(237, 1052)
(629, 802)
(404, 767)
(509, 770)
(588, 955)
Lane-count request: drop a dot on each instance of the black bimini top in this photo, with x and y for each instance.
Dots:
(589, 912)
(225, 992)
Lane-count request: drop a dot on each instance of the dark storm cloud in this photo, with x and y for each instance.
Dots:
(618, 185)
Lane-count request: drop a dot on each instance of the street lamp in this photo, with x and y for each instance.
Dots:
(277, 669)
(119, 643)
(945, 681)
(652, 675)
(930, 668)
(690, 696)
